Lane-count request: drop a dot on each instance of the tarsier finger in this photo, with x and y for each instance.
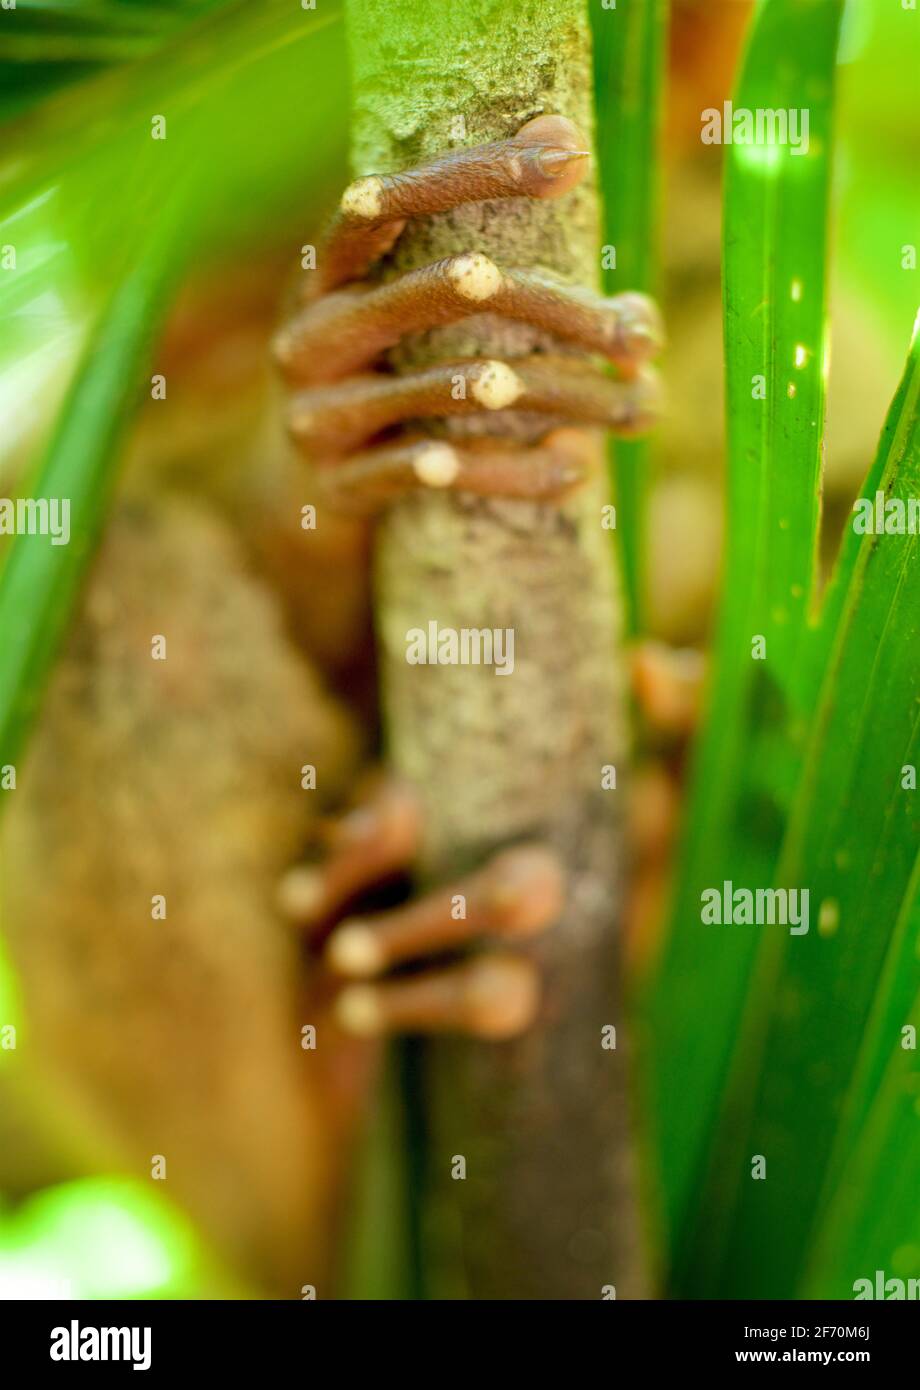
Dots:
(351, 328)
(338, 418)
(369, 480)
(543, 160)
(488, 996)
(518, 893)
(373, 842)
(668, 686)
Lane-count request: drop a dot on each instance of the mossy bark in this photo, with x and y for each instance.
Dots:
(546, 1208)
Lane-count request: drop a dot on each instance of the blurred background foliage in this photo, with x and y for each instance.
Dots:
(747, 1043)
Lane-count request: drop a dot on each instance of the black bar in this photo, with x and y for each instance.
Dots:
(267, 1340)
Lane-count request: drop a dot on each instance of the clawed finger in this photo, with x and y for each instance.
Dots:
(349, 329)
(543, 160)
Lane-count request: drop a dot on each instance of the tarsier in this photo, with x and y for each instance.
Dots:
(176, 969)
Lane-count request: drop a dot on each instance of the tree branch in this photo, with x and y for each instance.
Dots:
(547, 1207)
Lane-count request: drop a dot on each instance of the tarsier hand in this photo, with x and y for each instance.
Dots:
(368, 979)
(355, 421)
(358, 422)
(377, 973)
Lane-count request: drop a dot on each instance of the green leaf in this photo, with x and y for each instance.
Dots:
(39, 580)
(104, 219)
(68, 201)
(45, 44)
(106, 1237)
(869, 1216)
(824, 1019)
(629, 44)
(746, 759)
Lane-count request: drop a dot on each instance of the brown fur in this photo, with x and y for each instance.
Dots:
(179, 777)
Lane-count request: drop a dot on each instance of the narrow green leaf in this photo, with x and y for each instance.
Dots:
(823, 1019)
(629, 45)
(70, 205)
(45, 44)
(870, 1217)
(39, 580)
(162, 202)
(745, 763)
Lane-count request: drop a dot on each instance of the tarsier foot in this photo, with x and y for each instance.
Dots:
(360, 423)
(492, 994)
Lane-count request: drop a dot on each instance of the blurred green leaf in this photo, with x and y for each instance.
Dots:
(629, 46)
(106, 1238)
(879, 212)
(39, 580)
(104, 220)
(45, 44)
